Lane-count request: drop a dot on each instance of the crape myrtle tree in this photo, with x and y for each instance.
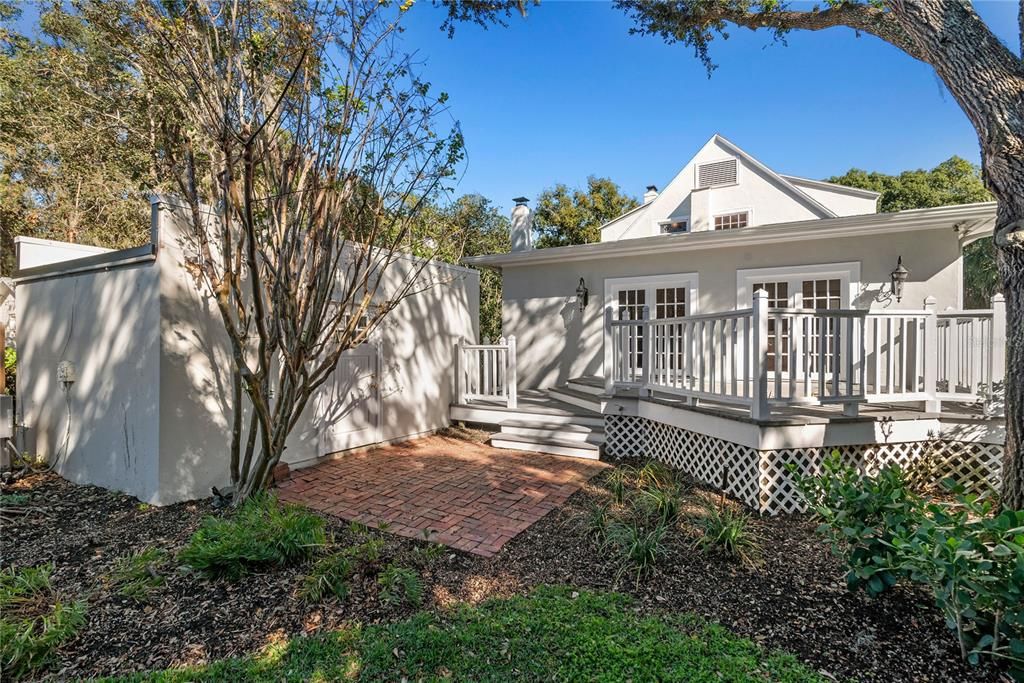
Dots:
(981, 73)
(304, 147)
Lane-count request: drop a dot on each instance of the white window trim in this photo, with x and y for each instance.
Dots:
(847, 272)
(669, 221)
(696, 173)
(689, 280)
(743, 209)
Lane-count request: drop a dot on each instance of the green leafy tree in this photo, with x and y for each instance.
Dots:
(470, 226)
(574, 216)
(77, 151)
(954, 181)
(982, 73)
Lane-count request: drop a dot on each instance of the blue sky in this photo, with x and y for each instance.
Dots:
(567, 93)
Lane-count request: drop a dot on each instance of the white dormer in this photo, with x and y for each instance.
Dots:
(724, 188)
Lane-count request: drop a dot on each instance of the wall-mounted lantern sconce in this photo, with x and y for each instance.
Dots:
(582, 294)
(898, 277)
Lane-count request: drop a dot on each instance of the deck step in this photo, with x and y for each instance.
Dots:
(574, 449)
(580, 399)
(587, 385)
(554, 413)
(539, 429)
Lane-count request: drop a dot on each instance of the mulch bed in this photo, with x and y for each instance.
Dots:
(796, 602)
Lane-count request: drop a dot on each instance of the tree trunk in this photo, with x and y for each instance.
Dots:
(1011, 268)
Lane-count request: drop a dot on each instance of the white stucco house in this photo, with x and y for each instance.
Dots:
(741, 319)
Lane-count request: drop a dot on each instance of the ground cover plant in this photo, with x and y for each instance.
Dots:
(262, 532)
(555, 633)
(964, 550)
(34, 621)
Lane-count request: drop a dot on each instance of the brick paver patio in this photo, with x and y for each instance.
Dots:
(469, 495)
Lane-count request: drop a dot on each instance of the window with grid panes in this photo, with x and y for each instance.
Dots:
(670, 302)
(731, 221)
(631, 307)
(778, 297)
(822, 295)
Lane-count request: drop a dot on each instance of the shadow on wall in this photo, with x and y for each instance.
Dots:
(409, 393)
(103, 427)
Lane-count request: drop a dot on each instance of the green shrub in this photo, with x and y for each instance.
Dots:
(970, 558)
(33, 623)
(663, 503)
(400, 585)
(973, 561)
(426, 555)
(616, 483)
(862, 515)
(136, 575)
(656, 475)
(639, 545)
(598, 519)
(261, 532)
(330, 575)
(726, 528)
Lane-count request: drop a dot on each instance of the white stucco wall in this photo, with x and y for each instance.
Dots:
(33, 251)
(104, 428)
(417, 342)
(841, 201)
(556, 342)
(150, 412)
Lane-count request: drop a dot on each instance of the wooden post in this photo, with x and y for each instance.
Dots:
(511, 377)
(647, 356)
(759, 355)
(609, 353)
(931, 356)
(994, 402)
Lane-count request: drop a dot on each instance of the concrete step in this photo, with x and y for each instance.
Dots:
(587, 385)
(545, 430)
(554, 413)
(573, 449)
(580, 399)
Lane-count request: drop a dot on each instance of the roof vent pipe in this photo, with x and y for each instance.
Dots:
(651, 194)
(522, 225)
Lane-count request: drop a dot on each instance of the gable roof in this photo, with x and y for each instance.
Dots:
(780, 180)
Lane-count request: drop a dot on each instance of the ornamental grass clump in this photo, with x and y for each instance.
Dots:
(33, 621)
(262, 532)
(725, 528)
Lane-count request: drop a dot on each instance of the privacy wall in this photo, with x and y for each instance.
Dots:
(148, 408)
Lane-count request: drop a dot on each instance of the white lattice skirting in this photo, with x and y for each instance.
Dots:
(760, 478)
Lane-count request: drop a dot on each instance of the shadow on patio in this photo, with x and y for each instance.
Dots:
(465, 495)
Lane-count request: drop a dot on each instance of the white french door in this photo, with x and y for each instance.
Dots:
(661, 296)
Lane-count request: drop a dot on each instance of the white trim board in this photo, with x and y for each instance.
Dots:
(848, 273)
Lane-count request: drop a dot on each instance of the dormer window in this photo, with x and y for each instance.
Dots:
(716, 173)
(673, 226)
(731, 221)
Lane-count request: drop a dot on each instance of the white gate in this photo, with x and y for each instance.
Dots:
(348, 409)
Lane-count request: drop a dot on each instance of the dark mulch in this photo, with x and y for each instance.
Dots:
(796, 602)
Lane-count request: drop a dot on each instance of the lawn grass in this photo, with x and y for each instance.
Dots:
(555, 633)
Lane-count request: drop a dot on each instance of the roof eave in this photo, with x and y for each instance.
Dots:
(844, 226)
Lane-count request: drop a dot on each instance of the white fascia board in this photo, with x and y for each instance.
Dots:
(833, 187)
(939, 218)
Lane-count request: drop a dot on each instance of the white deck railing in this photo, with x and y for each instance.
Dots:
(487, 372)
(761, 357)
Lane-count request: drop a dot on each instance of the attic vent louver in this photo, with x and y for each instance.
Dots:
(716, 173)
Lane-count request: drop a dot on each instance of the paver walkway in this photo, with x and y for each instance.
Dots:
(470, 496)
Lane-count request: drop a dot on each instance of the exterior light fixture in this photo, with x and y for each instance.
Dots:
(898, 277)
(582, 294)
